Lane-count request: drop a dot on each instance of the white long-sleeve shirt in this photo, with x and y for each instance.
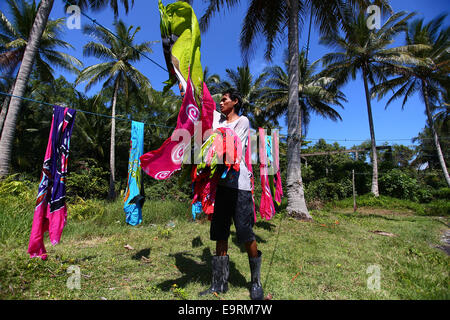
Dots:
(238, 180)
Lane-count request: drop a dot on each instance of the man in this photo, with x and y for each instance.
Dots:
(234, 201)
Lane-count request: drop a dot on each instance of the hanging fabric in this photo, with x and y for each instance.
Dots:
(224, 144)
(134, 193)
(277, 176)
(248, 163)
(181, 41)
(163, 162)
(50, 213)
(266, 207)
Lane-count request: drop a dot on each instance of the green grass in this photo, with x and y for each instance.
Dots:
(324, 259)
(437, 207)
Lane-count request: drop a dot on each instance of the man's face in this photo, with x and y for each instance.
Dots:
(226, 104)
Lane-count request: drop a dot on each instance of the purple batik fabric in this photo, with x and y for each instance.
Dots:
(50, 213)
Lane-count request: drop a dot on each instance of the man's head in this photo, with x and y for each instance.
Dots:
(231, 98)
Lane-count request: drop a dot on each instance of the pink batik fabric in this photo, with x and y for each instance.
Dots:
(163, 162)
(277, 177)
(266, 207)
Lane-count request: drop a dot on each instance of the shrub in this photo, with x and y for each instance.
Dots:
(438, 208)
(324, 190)
(11, 186)
(424, 194)
(433, 178)
(88, 182)
(442, 193)
(168, 190)
(384, 202)
(398, 184)
(86, 210)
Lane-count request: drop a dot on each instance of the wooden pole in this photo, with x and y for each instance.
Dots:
(354, 192)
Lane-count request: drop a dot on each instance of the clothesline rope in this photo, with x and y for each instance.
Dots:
(169, 127)
(84, 111)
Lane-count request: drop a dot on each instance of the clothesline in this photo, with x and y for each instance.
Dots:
(84, 111)
(169, 127)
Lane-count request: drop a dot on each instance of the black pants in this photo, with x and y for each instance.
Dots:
(233, 204)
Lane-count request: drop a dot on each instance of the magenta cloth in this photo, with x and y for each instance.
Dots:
(163, 162)
(224, 144)
(277, 177)
(248, 163)
(208, 107)
(266, 207)
(50, 213)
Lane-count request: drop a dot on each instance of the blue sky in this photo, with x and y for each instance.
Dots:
(220, 50)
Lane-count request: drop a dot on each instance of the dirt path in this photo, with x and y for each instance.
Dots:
(445, 240)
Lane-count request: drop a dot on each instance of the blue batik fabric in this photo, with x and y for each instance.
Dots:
(134, 194)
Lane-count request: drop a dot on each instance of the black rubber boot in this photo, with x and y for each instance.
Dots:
(256, 291)
(220, 273)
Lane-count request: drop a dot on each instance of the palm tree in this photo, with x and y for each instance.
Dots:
(212, 81)
(13, 39)
(364, 50)
(427, 73)
(29, 56)
(270, 18)
(316, 93)
(250, 89)
(117, 72)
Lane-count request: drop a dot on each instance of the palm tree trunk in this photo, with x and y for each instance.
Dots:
(7, 138)
(112, 157)
(372, 139)
(5, 108)
(435, 136)
(295, 194)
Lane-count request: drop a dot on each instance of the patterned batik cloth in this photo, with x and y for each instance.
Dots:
(266, 207)
(224, 144)
(163, 162)
(134, 198)
(50, 213)
(277, 177)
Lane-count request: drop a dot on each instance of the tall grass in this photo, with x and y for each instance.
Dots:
(438, 207)
(324, 259)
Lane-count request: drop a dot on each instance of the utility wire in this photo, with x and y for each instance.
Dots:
(83, 111)
(119, 38)
(163, 126)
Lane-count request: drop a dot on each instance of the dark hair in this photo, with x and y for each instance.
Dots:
(234, 94)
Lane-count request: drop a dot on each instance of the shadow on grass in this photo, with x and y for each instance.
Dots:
(197, 242)
(142, 253)
(194, 271)
(265, 225)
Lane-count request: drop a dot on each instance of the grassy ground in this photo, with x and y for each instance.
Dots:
(325, 259)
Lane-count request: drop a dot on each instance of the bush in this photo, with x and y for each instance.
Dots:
(88, 182)
(324, 190)
(86, 210)
(382, 202)
(438, 208)
(424, 194)
(433, 178)
(441, 194)
(398, 184)
(11, 186)
(168, 190)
